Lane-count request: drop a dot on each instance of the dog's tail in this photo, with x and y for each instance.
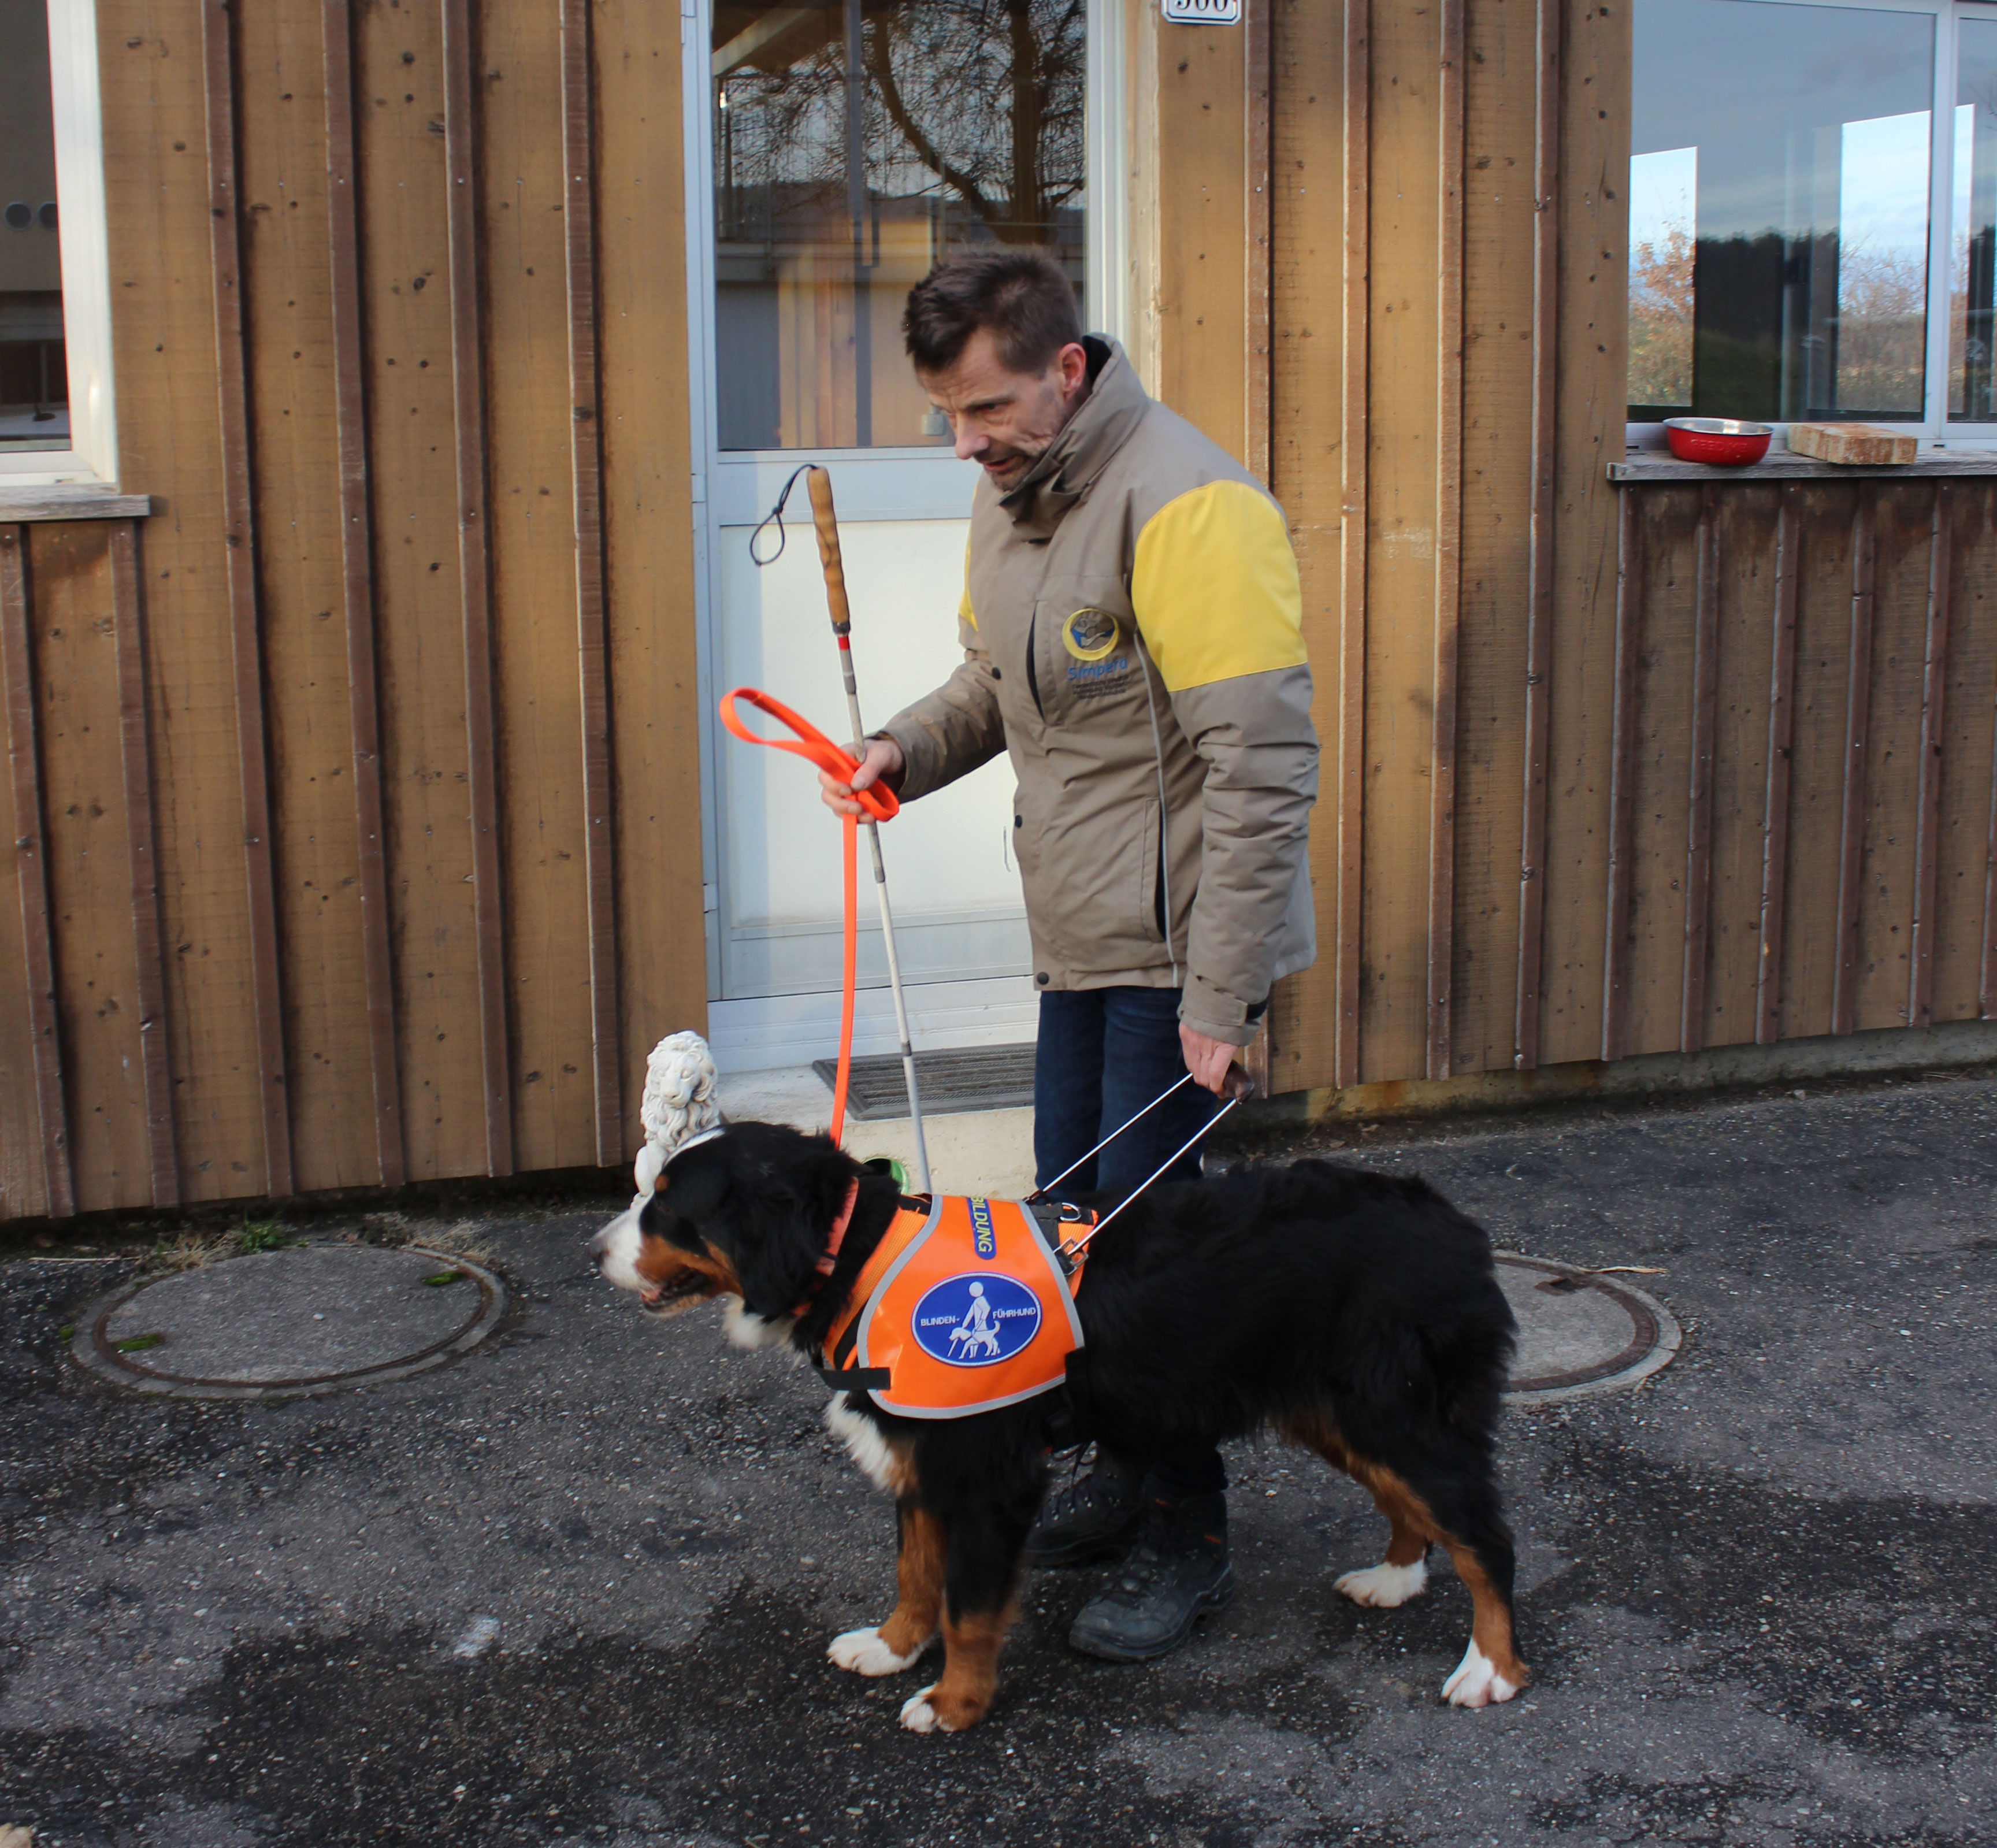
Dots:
(1470, 1363)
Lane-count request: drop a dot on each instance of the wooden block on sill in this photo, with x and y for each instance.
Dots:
(1855, 445)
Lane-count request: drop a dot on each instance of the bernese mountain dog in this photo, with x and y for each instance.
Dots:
(1356, 1314)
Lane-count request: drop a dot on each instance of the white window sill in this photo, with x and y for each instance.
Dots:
(70, 500)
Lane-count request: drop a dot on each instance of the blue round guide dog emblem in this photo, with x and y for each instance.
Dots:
(974, 1321)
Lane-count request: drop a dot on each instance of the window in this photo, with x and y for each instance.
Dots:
(55, 374)
(854, 146)
(1804, 242)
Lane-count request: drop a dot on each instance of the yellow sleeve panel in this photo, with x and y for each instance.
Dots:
(1215, 587)
(964, 612)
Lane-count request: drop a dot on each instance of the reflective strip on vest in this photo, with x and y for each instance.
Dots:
(972, 1312)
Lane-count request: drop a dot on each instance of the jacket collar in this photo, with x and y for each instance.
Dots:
(1115, 406)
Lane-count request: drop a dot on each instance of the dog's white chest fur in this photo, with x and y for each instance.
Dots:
(864, 1443)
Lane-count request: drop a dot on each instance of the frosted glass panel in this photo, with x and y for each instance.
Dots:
(957, 906)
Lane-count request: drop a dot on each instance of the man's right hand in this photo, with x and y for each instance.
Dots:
(883, 762)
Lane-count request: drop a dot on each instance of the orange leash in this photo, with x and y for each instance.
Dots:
(815, 747)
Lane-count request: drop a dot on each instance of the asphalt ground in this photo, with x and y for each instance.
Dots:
(1757, 1593)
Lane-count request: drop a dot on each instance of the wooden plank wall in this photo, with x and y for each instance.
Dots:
(280, 955)
(1809, 840)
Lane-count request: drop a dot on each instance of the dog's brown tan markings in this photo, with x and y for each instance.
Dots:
(963, 1697)
(1491, 1667)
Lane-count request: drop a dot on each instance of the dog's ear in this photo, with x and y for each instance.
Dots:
(684, 1203)
(656, 1221)
(775, 1250)
(694, 1190)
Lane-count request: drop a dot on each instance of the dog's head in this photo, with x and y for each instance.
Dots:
(744, 1214)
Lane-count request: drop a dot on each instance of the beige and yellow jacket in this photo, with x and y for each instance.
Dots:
(1132, 628)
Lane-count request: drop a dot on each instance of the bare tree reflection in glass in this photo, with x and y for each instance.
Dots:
(857, 141)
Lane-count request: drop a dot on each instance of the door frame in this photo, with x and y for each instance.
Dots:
(886, 483)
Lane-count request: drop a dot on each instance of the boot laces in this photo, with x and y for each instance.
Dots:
(1078, 1493)
(1082, 1490)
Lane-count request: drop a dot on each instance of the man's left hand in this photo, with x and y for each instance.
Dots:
(1207, 1059)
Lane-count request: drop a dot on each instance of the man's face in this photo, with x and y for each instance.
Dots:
(1004, 420)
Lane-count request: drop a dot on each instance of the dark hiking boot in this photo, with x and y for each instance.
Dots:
(1090, 1518)
(1177, 1570)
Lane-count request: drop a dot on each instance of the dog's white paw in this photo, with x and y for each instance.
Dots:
(918, 1716)
(1476, 1682)
(1384, 1587)
(862, 1652)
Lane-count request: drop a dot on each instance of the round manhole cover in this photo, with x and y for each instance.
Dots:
(1580, 1332)
(314, 1319)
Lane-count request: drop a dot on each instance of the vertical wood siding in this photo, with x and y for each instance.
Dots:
(354, 790)
(367, 844)
(1307, 374)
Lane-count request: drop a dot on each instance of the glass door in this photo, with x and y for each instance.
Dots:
(838, 151)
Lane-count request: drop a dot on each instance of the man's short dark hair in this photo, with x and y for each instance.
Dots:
(1022, 294)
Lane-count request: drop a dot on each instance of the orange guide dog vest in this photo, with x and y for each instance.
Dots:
(962, 1308)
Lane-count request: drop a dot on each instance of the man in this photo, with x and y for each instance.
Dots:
(1131, 625)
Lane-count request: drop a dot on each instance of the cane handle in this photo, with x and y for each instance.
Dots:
(826, 524)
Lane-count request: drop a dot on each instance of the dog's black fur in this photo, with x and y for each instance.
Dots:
(1358, 1313)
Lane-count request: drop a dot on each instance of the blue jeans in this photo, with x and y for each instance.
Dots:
(1102, 1055)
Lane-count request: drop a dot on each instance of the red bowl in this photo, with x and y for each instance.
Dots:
(1717, 439)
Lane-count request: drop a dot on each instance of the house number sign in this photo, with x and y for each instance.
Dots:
(1201, 13)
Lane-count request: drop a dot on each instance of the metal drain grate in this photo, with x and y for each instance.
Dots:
(980, 1077)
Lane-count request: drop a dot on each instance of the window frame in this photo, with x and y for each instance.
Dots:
(1932, 429)
(83, 244)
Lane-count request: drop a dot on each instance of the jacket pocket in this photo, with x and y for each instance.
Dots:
(1151, 909)
(1026, 838)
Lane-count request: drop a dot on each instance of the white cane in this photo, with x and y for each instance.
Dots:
(826, 524)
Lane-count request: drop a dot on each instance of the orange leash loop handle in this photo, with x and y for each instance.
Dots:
(815, 747)
(812, 744)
